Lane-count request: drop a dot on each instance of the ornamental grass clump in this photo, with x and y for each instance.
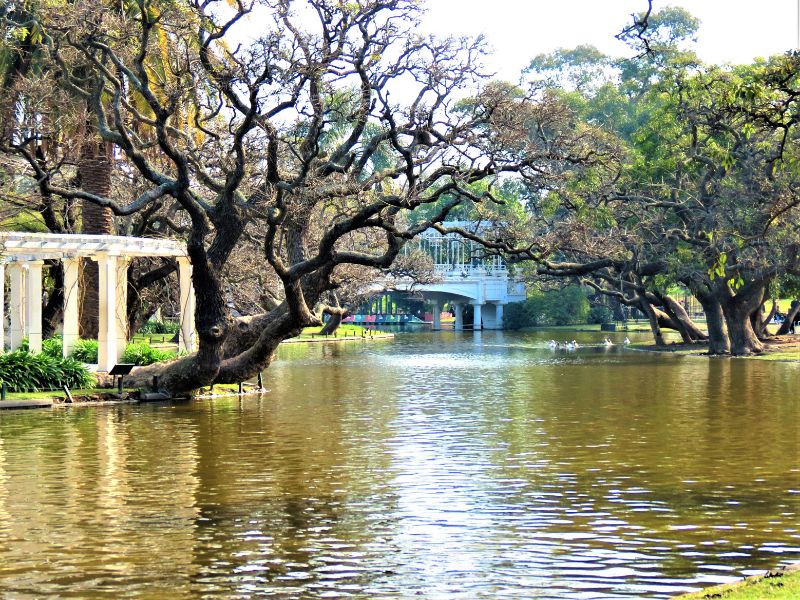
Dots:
(22, 371)
(144, 354)
(85, 351)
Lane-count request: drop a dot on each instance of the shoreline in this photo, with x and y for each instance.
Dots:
(343, 338)
(785, 349)
(782, 583)
(57, 399)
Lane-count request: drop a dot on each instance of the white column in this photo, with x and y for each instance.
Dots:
(188, 333)
(107, 334)
(437, 316)
(71, 295)
(33, 305)
(121, 310)
(2, 305)
(476, 321)
(459, 309)
(499, 316)
(17, 304)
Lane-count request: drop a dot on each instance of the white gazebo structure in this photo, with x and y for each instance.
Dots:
(22, 256)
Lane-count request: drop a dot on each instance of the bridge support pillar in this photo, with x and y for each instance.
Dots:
(493, 317)
(459, 310)
(477, 319)
(437, 316)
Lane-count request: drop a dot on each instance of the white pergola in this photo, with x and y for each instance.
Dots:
(23, 254)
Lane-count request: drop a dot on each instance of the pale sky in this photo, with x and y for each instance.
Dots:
(733, 31)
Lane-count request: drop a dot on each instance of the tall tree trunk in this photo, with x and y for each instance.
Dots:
(790, 317)
(738, 310)
(652, 317)
(762, 319)
(53, 309)
(718, 340)
(21, 61)
(94, 168)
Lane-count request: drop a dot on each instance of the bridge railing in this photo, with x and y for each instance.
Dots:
(470, 271)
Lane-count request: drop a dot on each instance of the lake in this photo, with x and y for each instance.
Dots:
(437, 465)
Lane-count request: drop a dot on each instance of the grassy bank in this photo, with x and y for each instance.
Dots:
(783, 349)
(60, 396)
(779, 584)
(344, 331)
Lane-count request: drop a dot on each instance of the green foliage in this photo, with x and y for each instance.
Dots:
(26, 372)
(85, 351)
(575, 68)
(566, 306)
(144, 354)
(600, 313)
(160, 327)
(517, 315)
(50, 347)
(53, 347)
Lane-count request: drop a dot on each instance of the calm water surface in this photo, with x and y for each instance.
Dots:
(436, 466)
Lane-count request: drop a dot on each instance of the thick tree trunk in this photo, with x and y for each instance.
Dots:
(790, 317)
(718, 340)
(94, 168)
(53, 310)
(648, 310)
(331, 325)
(335, 316)
(688, 329)
(738, 310)
(20, 65)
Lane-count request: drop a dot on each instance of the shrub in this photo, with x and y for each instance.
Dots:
(144, 354)
(160, 327)
(600, 314)
(53, 347)
(26, 372)
(565, 306)
(85, 351)
(517, 315)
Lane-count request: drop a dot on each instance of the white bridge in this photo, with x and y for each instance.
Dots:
(463, 275)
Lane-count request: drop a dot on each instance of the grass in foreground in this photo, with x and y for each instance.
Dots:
(60, 394)
(782, 587)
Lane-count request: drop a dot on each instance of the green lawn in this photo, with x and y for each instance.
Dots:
(345, 330)
(784, 587)
(60, 394)
(154, 339)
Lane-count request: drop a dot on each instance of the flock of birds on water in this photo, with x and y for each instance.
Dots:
(573, 345)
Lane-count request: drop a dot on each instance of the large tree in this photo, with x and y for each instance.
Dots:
(237, 145)
(706, 197)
